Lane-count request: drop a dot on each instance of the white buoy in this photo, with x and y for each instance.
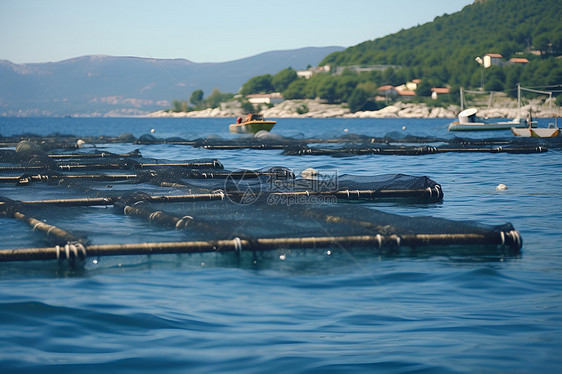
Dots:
(152, 130)
(345, 130)
(501, 187)
(309, 173)
(403, 127)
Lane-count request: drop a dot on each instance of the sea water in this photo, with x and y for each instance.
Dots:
(301, 313)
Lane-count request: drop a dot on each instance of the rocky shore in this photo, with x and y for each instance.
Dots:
(316, 109)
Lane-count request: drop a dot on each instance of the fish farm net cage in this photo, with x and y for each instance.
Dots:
(354, 144)
(53, 190)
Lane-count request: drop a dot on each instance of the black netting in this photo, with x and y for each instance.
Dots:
(201, 206)
(392, 143)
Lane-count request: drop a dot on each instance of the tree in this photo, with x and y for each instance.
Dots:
(247, 107)
(361, 99)
(258, 84)
(369, 87)
(495, 79)
(508, 48)
(310, 90)
(512, 77)
(424, 88)
(296, 90)
(345, 85)
(216, 97)
(283, 79)
(179, 106)
(494, 84)
(389, 77)
(556, 40)
(357, 100)
(327, 90)
(542, 43)
(196, 97)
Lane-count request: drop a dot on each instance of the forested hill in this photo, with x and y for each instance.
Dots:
(444, 50)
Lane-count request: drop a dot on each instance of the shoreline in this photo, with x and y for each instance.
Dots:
(315, 109)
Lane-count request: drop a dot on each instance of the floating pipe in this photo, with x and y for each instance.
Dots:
(166, 219)
(124, 165)
(505, 241)
(53, 233)
(429, 194)
(410, 151)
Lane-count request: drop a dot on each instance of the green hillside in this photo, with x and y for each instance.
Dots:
(444, 50)
(441, 53)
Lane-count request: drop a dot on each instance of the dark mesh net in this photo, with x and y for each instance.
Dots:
(161, 206)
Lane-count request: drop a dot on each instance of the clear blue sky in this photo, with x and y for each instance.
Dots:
(200, 31)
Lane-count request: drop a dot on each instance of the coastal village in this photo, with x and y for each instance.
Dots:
(396, 98)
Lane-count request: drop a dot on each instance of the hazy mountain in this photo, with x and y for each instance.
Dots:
(105, 85)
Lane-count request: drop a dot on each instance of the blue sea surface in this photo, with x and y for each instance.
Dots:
(297, 311)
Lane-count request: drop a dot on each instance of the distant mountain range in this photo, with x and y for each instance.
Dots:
(106, 85)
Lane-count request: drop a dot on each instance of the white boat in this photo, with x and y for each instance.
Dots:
(468, 121)
(551, 131)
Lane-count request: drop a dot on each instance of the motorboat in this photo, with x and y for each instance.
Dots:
(252, 124)
(469, 121)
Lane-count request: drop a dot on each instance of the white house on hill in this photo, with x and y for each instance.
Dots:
(492, 59)
(436, 91)
(518, 60)
(314, 70)
(271, 98)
